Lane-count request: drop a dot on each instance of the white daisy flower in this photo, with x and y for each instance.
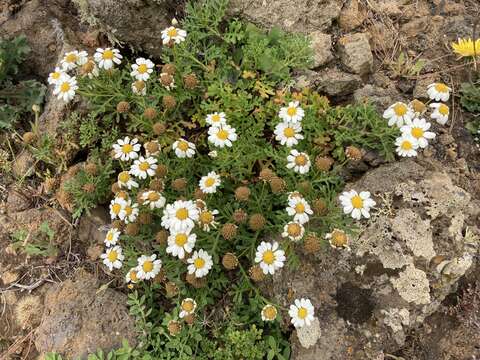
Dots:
(180, 216)
(187, 307)
(54, 76)
(113, 257)
(200, 263)
(125, 180)
(398, 114)
(298, 161)
(106, 58)
(222, 135)
(112, 237)
(180, 243)
(216, 119)
(206, 219)
(129, 212)
(299, 209)
(139, 88)
(407, 146)
(184, 148)
(356, 204)
(142, 69)
(294, 231)
(418, 128)
(338, 239)
(209, 183)
(269, 313)
(153, 199)
(292, 113)
(440, 113)
(74, 58)
(65, 87)
(144, 167)
(213, 154)
(126, 149)
(270, 257)
(173, 34)
(288, 133)
(438, 92)
(132, 275)
(301, 312)
(116, 207)
(148, 267)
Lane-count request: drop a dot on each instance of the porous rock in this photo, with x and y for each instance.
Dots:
(79, 318)
(335, 82)
(355, 53)
(321, 45)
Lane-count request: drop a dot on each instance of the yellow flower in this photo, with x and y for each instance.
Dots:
(466, 47)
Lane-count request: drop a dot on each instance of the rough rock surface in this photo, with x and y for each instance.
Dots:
(335, 82)
(80, 318)
(322, 48)
(297, 16)
(353, 14)
(403, 263)
(355, 53)
(90, 227)
(138, 23)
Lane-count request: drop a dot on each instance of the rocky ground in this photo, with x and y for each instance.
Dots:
(408, 287)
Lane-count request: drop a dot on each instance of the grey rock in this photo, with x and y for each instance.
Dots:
(90, 227)
(23, 165)
(381, 97)
(335, 82)
(355, 53)
(321, 45)
(352, 15)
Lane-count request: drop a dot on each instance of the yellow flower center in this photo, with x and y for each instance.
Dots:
(153, 196)
(172, 32)
(289, 132)
(339, 238)
(56, 75)
(407, 145)
(216, 118)
(188, 306)
(144, 166)
(270, 312)
(133, 275)
(299, 208)
(300, 160)
(142, 69)
(417, 132)
(112, 256)
(222, 134)
(181, 214)
(147, 266)
(128, 210)
(206, 217)
(357, 202)
(109, 236)
(116, 208)
(441, 87)
(292, 111)
(443, 109)
(181, 239)
(123, 176)
(400, 109)
(199, 263)
(70, 58)
(268, 257)
(182, 145)
(139, 85)
(107, 55)
(127, 148)
(302, 313)
(65, 87)
(209, 182)
(294, 229)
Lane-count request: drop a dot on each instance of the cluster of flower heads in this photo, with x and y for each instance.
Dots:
(76, 62)
(414, 128)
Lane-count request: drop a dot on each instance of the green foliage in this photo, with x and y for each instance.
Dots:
(404, 66)
(124, 353)
(16, 97)
(470, 97)
(89, 190)
(36, 243)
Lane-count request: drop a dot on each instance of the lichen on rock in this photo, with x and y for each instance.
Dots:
(412, 285)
